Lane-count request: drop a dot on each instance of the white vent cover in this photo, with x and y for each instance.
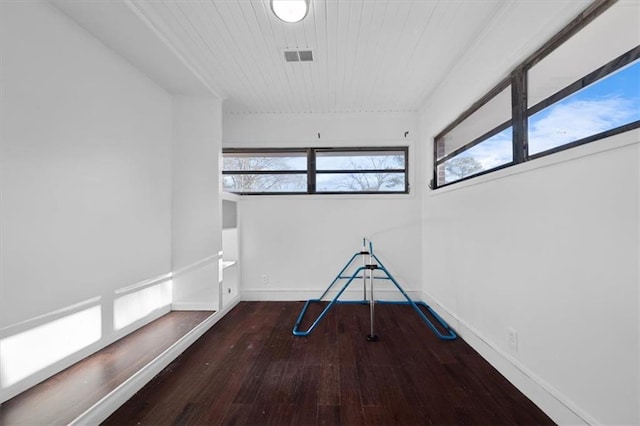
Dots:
(298, 55)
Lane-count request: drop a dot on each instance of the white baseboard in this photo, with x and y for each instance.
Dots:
(257, 294)
(112, 401)
(550, 400)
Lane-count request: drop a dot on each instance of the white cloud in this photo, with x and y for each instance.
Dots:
(573, 120)
(493, 152)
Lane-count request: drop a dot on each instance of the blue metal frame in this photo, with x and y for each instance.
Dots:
(450, 334)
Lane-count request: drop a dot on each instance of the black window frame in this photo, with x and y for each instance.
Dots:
(266, 152)
(476, 141)
(518, 80)
(312, 172)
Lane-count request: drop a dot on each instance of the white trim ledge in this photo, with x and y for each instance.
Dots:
(48, 317)
(555, 404)
(197, 264)
(143, 284)
(194, 306)
(102, 409)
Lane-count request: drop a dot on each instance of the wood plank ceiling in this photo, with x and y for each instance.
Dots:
(368, 55)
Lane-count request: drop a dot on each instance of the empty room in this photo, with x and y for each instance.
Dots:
(335, 212)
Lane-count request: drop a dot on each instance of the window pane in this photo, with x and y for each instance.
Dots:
(249, 183)
(270, 161)
(610, 35)
(360, 182)
(352, 170)
(604, 105)
(360, 160)
(489, 116)
(493, 152)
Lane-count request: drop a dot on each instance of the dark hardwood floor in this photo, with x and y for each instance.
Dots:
(63, 397)
(250, 369)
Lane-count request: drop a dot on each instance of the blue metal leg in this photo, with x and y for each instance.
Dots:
(339, 276)
(450, 334)
(297, 332)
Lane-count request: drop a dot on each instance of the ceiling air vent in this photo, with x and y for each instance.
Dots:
(291, 56)
(298, 55)
(305, 55)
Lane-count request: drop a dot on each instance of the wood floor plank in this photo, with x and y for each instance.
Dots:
(237, 414)
(329, 415)
(307, 396)
(350, 397)
(212, 362)
(250, 369)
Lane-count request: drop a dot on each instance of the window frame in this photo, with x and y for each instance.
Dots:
(598, 74)
(311, 171)
(519, 101)
(495, 91)
(266, 151)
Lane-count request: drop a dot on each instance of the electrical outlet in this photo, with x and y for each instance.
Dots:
(512, 338)
(265, 279)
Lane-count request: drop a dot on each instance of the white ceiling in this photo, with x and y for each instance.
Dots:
(369, 55)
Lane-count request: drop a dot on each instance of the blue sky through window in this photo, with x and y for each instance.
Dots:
(610, 102)
(606, 104)
(491, 153)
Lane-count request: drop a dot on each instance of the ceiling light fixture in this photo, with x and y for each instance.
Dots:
(290, 10)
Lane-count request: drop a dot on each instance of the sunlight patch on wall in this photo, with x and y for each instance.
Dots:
(30, 351)
(131, 307)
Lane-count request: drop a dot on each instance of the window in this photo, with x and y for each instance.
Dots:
(491, 153)
(608, 104)
(461, 153)
(316, 171)
(583, 85)
(261, 171)
(380, 170)
(608, 36)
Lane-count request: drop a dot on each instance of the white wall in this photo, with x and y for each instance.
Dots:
(301, 242)
(550, 249)
(86, 179)
(196, 204)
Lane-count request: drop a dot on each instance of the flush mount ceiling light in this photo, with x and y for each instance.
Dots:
(290, 10)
